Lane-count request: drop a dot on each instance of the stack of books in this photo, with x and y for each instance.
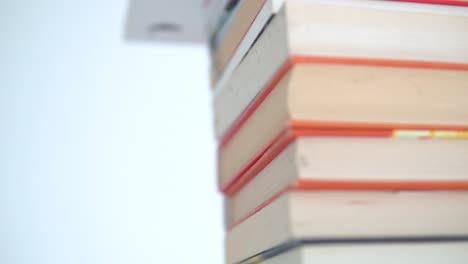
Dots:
(343, 130)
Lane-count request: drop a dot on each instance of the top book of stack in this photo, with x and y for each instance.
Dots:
(253, 15)
(262, 39)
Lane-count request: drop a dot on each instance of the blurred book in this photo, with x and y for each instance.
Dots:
(350, 217)
(317, 163)
(345, 28)
(368, 252)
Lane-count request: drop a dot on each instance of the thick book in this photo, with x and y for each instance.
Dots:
(315, 162)
(367, 252)
(340, 217)
(361, 32)
(235, 37)
(343, 93)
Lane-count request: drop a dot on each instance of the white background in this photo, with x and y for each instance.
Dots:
(106, 147)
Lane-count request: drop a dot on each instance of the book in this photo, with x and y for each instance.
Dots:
(346, 163)
(245, 39)
(383, 33)
(242, 19)
(390, 252)
(220, 75)
(343, 93)
(322, 217)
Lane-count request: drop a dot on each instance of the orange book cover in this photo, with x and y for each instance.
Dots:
(295, 129)
(304, 186)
